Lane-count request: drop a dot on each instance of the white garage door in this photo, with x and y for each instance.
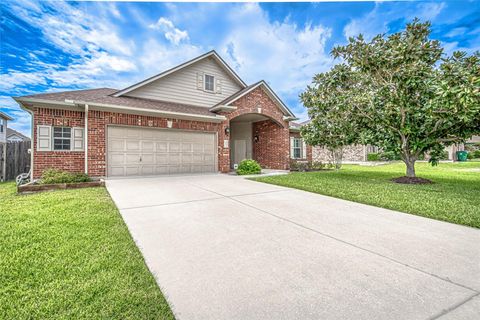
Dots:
(142, 151)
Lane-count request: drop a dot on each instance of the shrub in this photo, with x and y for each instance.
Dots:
(248, 166)
(51, 176)
(389, 156)
(317, 165)
(476, 154)
(444, 155)
(306, 166)
(469, 155)
(373, 157)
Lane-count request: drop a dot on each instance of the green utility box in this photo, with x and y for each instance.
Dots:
(462, 155)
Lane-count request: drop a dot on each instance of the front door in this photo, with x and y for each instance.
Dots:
(240, 153)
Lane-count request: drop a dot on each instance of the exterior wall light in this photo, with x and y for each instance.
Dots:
(255, 139)
(227, 131)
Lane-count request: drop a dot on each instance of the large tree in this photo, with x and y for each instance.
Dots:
(328, 100)
(408, 96)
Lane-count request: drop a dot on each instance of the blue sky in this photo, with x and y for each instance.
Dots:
(54, 46)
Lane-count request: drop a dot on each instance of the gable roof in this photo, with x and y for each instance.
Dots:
(12, 132)
(212, 53)
(250, 88)
(5, 116)
(102, 97)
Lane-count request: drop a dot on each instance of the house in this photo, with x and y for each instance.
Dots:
(197, 117)
(4, 118)
(15, 136)
(300, 151)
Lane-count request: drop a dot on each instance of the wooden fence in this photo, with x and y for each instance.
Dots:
(17, 159)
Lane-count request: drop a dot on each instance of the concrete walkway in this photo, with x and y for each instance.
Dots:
(222, 247)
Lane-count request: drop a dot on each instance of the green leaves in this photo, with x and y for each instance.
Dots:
(398, 92)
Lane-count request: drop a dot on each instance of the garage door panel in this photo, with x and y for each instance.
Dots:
(161, 146)
(148, 158)
(174, 158)
(162, 159)
(132, 171)
(132, 145)
(148, 170)
(160, 151)
(186, 147)
(147, 145)
(116, 159)
(132, 158)
(174, 147)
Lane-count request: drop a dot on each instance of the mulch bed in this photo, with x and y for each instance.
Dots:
(31, 188)
(411, 180)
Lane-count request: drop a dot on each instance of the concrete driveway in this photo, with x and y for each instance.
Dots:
(222, 247)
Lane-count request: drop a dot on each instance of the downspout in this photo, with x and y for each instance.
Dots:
(32, 143)
(85, 137)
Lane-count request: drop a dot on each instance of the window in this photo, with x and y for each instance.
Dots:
(62, 138)
(209, 83)
(297, 148)
(1, 125)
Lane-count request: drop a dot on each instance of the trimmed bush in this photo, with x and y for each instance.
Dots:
(469, 155)
(51, 176)
(373, 157)
(248, 166)
(389, 156)
(476, 154)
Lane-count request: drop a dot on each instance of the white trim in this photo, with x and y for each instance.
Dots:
(179, 67)
(205, 83)
(85, 137)
(223, 108)
(109, 107)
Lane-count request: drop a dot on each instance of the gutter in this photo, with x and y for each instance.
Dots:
(85, 138)
(109, 107)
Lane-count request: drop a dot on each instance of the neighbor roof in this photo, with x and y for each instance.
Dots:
(212, 53)
(5, 116)
(250, 88)
(103, 96)
(11, 132)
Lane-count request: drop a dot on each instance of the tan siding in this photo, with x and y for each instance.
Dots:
(181, 86)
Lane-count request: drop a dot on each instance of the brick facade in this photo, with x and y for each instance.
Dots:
(272, 148)
(354, 153)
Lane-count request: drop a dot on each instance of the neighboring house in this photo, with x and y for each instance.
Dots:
(352, 153)
(197, 117)
(4, 118)
(15, 136)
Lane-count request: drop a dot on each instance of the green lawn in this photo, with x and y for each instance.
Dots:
(68, 255)
(454, 196)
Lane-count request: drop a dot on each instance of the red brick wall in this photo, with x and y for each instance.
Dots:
(309, 147)
(71, 161)
(272, 148)
(274, 155)
(97, 125)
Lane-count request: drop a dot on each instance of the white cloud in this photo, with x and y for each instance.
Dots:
(172, 34)
(377, 20)
(282, 53)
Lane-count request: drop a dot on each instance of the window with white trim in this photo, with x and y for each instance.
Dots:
(298, 148)
(209, 83)
(1, 125)
(62, 138)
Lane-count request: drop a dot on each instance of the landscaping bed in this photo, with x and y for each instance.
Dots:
(31, 188)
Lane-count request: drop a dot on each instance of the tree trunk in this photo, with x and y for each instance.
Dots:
(410, 163)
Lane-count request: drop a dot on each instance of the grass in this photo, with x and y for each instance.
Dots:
(454, 196)
(68, 255)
